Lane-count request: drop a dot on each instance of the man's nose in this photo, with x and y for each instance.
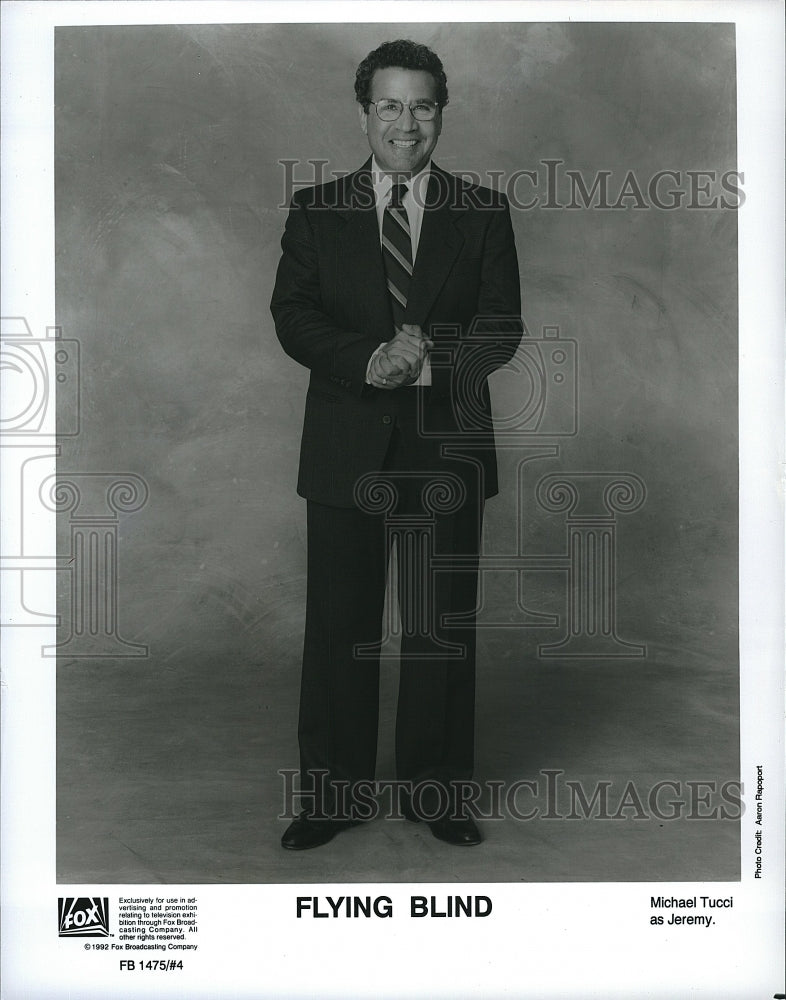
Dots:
(407, 121)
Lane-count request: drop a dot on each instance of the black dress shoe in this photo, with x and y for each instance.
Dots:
(304, 832)
(462, 831)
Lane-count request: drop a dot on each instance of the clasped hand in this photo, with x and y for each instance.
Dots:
(400, 361)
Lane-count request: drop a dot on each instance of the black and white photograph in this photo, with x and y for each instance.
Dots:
(393, 403)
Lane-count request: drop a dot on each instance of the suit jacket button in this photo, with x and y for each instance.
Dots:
(386, 419)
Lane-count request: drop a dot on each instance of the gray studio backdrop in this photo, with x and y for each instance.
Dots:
(171, 192)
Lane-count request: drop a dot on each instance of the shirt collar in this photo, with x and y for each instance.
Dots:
(383, 182)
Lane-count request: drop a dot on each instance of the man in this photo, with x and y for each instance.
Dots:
(399, 289)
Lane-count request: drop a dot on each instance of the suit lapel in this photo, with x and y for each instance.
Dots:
(439, 244)
(360, 257)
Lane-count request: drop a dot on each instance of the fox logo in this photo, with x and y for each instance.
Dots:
(86, 916)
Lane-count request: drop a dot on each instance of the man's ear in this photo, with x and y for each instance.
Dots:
(363, 117)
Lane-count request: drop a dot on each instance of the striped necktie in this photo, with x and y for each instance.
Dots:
(397, 252)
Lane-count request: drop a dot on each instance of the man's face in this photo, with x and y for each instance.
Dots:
(404, 146)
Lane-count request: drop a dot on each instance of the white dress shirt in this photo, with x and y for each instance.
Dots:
(412, 202)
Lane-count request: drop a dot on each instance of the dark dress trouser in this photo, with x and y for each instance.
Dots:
(348, 551)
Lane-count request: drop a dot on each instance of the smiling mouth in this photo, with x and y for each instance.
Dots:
(404, 143)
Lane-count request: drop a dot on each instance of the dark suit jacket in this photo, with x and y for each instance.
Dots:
(331, 311)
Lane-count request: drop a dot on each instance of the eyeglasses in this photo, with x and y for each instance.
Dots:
(389, 110)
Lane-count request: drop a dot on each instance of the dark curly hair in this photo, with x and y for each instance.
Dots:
(403, 54)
